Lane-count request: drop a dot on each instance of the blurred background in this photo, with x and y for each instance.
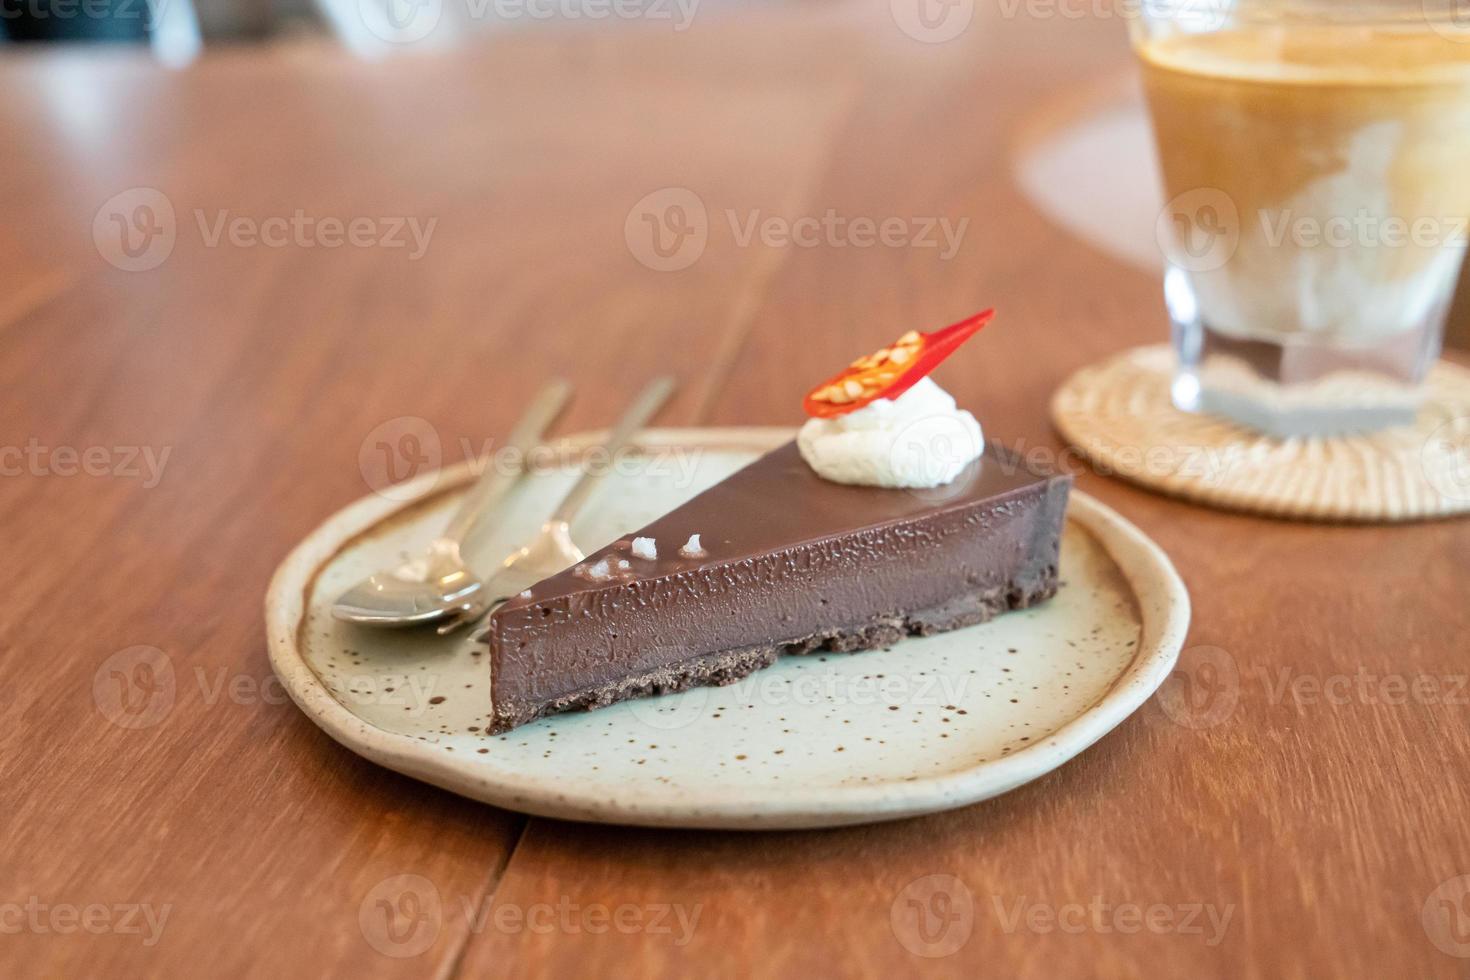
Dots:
(178, 30)
(1083, 159)
(174, 278)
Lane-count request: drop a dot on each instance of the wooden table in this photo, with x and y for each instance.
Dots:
(1292, 819)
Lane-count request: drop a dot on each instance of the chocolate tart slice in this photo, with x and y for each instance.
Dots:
(791, 563)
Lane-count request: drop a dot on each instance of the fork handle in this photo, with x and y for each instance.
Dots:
(647, 404)
(494, 482)
(644, 407)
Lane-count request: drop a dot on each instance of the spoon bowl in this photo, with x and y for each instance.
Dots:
(439, 585)
(422, 591)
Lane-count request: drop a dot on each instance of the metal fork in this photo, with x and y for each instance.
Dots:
(439, 584)
(552, 549)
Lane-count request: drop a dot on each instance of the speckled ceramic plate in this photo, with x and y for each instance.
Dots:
(820, 740)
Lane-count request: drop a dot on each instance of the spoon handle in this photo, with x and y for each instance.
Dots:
(496, 480)
(644, 407)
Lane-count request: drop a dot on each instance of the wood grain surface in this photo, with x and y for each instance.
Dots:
(1293, 804)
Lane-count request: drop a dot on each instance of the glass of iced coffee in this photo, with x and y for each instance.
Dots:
(1316, 162)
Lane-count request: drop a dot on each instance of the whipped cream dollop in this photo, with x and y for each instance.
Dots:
(920, 439)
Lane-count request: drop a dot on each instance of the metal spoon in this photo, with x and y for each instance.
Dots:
(552, 549)
(438, 584)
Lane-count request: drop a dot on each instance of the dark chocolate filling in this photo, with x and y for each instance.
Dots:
(792, 563)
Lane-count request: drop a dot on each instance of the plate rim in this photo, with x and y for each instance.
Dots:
(1159, 593)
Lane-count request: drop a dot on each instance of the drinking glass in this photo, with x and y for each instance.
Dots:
(1316, 162)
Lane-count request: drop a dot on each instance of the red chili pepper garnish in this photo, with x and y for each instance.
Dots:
(890, 372)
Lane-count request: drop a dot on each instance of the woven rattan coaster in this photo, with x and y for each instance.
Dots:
(1118, 414)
